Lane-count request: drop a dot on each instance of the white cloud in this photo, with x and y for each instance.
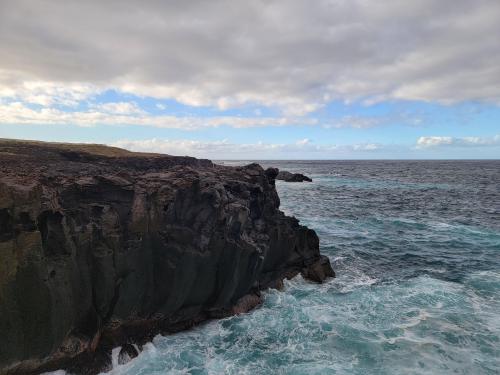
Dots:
(121, 108)
(365, 122)
(437, 141)
(225, 149)
(16, 87)
(367, 147)
(423, 142)
(357, 122)
(130, 114)
(303, 142)
(295, 54)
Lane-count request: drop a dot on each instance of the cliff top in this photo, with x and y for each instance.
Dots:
(18, 147)
(20, 157)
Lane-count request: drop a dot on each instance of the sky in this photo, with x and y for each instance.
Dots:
(290, 79)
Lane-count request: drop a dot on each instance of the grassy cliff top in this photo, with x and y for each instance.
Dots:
(31, 157)
(17, 146)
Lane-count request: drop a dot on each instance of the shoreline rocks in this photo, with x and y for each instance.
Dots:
(101, 248)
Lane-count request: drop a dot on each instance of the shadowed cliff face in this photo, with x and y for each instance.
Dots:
(100, 247)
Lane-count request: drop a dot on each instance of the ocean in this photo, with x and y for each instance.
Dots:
(416, 249)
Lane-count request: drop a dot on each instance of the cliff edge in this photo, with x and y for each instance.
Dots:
(101, 247)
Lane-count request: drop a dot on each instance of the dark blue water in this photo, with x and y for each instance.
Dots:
(416, 247)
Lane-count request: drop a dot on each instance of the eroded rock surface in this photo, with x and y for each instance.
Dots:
(100, 247)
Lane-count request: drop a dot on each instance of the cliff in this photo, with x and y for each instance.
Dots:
(100, 247)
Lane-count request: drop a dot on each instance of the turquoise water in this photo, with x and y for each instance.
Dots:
(416, 248)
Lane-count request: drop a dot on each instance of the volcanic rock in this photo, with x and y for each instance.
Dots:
(292, 177)
(127, 352)
(101, 247)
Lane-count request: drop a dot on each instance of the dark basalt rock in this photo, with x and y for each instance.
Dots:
(292, 177)
(127, 352)
(319, 270)
(101, 247)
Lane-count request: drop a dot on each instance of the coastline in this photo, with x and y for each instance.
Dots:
(111, 247)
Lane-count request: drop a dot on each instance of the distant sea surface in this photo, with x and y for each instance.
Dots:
(416, 248)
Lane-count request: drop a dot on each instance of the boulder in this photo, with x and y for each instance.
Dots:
(292, 177)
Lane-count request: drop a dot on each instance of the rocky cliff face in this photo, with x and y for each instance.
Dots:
(100, 247)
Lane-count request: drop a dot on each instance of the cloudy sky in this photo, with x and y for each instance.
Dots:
(290, 79)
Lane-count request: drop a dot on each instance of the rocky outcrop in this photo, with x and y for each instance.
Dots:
(292, 177)
(100, 248)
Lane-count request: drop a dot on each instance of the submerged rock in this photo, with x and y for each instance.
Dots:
(101, 247)
(292, 177)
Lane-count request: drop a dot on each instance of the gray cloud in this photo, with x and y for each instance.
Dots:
(293, 54)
